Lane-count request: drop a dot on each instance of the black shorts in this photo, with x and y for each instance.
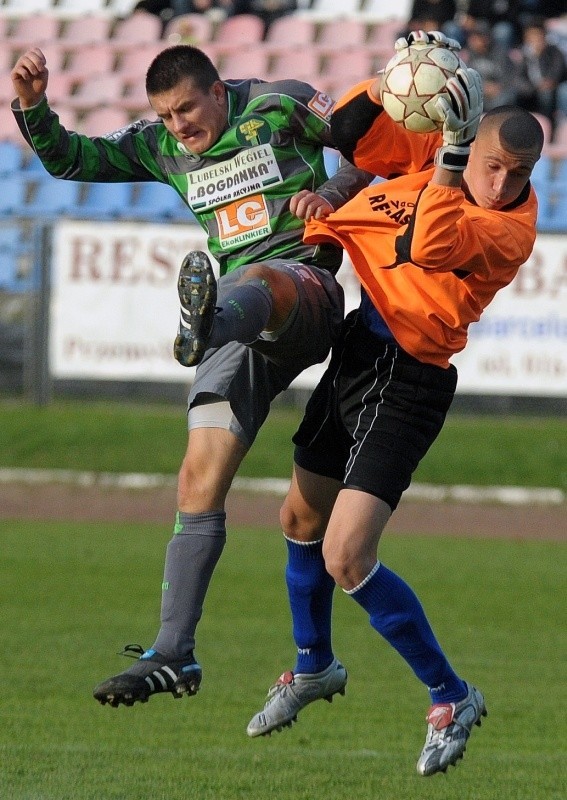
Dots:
(374, 415)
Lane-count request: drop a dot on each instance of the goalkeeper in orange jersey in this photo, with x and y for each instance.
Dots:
(432, 244)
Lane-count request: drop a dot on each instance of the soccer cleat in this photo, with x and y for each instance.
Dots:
(292, 692)
(151, 674)
(448, 730)
(197, 289)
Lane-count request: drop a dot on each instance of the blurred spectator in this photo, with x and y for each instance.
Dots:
(542, 9)
(267, 10)
(167, 9)
(542, 69)
(431, 12)
(501, 15)
(492, 61)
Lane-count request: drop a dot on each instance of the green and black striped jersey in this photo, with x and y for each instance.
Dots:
(239, 190)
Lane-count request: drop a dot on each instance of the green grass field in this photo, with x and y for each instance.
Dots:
(72, 596)
(114, 437)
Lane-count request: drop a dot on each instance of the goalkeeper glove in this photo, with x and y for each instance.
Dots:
(423, 39)
(461, 117)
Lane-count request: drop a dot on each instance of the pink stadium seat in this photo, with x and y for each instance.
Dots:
(97, 90)
(354, 65)
(9, 130)
(241, 30)
(91, 59)
(291, 31)
(33, 30)
(100, 121)
(253, 62)
(383, 34)
(297, 63)
(134, 61)
(135, 99)
(141, 27)
(342, 33)
(91, 28)
(189, 29)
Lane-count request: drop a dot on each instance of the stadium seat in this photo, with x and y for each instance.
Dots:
(86, 29)
(141, 27)
(13, 196)
(11, 158)
(291, 30)
(101, 121)
(338, 34)
(133, 63)
(383, 34)
(107, 200)
(245, 63)
(69, 8)
(356, 65)
(17, 8)
(32, 31)
(157, 201)
(15, 259)
(135, 99)
(9, 130)
(188, 29)
(91, 59)
(97, 90)
(52, 198)
(243, 30)
(385, 11)
(321, 9)
(297, 63)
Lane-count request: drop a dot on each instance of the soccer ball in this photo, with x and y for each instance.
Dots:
(412, 82)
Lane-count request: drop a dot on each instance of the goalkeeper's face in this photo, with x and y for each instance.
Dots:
(496, 175)
(195, 117)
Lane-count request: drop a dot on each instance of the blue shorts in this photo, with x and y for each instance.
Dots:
(250, 376)
(374, 415)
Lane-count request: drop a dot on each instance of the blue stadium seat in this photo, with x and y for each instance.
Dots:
(158, 201)
(13, 195)
(107, 201)
(11, 158)
(52, 198)
(16, 259)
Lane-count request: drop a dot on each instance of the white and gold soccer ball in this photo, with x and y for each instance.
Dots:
(412, 82)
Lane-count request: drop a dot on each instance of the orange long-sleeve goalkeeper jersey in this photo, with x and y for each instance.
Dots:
(429, 258)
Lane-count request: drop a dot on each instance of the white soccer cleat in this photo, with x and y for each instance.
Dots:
(448, 731)
(292, 692)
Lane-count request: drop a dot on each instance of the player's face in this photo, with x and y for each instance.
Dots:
(195, 118)
(494, 175)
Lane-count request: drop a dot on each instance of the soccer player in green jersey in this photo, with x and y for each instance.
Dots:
(247, 157)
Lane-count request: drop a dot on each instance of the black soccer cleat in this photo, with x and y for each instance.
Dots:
(197, 289)
(151, 674)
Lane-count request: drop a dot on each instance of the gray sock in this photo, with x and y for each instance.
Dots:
(190, 561)
(243, 311)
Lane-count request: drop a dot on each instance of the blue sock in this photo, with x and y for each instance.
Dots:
(310, 589)
(397, 615)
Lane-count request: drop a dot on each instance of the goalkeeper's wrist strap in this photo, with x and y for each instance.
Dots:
(452, 157)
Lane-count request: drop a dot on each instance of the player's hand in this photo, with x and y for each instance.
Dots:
(309, 205)
(423, 38)
(462, 115)
(29, 77)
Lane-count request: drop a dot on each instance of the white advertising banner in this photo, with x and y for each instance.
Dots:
(114, 312)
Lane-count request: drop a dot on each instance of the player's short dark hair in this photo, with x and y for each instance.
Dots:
(174, 64)
(518, 129)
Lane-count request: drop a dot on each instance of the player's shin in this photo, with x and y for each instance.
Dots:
(310, 589)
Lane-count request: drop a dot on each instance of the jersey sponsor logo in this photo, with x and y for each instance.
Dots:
(248, 172)
(253, 131)
(243, 221)
(399, 211)
(321, 105)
